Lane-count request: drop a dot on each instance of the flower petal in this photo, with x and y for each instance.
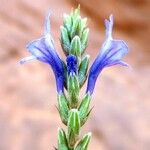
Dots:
(71, 64)
(43, 50)
(39, 49)
(27, 59)
(111, 53)
(114, 50)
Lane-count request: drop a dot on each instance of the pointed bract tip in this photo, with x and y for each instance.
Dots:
(89, 134)
(59, 129)
(87, 56)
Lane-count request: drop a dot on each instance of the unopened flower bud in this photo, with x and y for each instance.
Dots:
(81, 26)
(74, 26)
(76, 46)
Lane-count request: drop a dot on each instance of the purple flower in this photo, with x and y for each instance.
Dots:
(43, 50)
(71, 64)
(111, 53)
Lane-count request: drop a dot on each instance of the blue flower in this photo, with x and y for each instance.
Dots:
(43, 50)
(71, 64)
(111, 53)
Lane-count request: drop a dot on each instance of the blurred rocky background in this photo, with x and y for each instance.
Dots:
(120, 119)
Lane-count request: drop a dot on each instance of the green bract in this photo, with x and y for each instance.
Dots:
(63, 108)
(84, 108)
(76, 46)
(62, 140)
(74, 34)
(73, 127)
(73, 90)
(82, 74)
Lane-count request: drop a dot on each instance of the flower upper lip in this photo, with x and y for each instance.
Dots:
(43, 50)
(111, 53)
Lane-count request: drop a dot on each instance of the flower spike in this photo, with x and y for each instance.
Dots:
(72, 73)
(43, 50)
(111, 53)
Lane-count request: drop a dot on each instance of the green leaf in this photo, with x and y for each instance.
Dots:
(83, 144)
(62, 140)
(82, 73)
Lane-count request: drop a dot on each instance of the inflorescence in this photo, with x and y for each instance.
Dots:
(71, 74)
